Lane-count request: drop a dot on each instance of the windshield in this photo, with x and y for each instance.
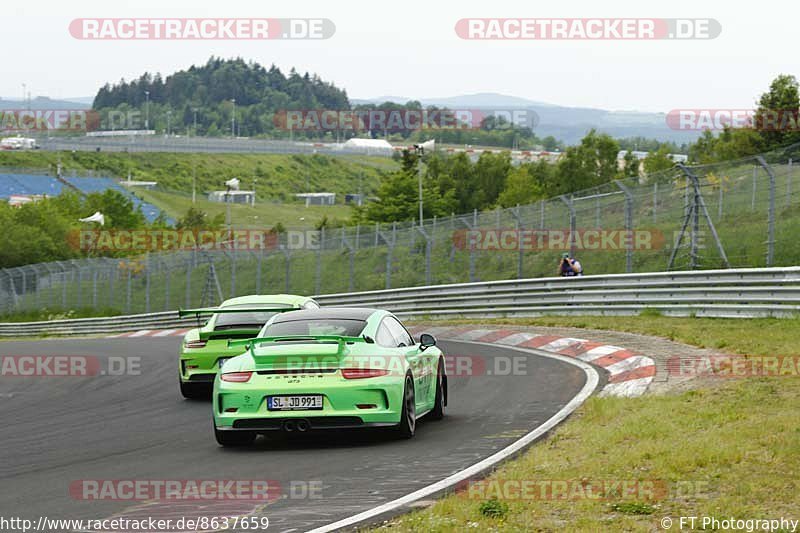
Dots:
(315, 326)
(252, 320)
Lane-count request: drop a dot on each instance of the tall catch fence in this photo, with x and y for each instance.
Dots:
(737, 214)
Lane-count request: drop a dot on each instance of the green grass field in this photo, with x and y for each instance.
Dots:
(726, 450)
(264, 214)
(278, 176)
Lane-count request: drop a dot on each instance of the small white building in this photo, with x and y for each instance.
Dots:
(18, 143)
(232, 196)
(317, 198)
(368, 146)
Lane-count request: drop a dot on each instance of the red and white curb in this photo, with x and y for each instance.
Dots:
(629, 374)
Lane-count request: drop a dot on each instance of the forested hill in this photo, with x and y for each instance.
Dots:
(210, 89)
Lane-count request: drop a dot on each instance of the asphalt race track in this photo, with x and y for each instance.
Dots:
(59, 430)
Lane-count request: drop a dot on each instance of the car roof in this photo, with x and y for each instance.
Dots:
(287, 299)
(346, 313)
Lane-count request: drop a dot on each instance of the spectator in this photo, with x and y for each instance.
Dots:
(569, 266)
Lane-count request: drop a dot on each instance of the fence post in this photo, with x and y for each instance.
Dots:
(755, 181)
(518, 222)
(628, 225)
(541, 215)
(719, 206)
(94, 286)
(233, 273)
(655, 203)
(79, 298)
(112, 274)
(472, 247)
(189, 281)
(288, 255)
(128, 296)
(259, 259)
(318, 273)
(789, 184)
(771, 212)
(147, 282)
(570, 205)
(167, 275)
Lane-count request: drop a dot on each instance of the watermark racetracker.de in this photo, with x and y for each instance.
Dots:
(68, 366)
(591, 29)
(192, 29)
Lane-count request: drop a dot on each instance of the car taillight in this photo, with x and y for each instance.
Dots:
(236, 377)
(195, 344)
(361, 373)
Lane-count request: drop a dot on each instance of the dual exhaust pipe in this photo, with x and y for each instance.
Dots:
(300, 426)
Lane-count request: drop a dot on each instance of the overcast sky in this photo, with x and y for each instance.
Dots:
(410, 48)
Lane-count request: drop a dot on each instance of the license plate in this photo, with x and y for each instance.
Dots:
(221, 361)
(294, 403)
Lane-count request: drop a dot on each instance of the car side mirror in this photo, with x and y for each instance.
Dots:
(426, 340)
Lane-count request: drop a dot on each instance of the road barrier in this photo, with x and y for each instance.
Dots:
(740, 293)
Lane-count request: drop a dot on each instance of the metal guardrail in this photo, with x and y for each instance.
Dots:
(741, 293)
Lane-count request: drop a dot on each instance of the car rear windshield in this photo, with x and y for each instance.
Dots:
(251, 320)
(316, 326)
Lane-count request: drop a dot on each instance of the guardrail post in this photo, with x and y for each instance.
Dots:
(628, 225)
(771, 212)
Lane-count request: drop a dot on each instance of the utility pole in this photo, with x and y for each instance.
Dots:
(233, 119)
(147, 110)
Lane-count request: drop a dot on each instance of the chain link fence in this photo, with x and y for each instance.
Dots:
(737, 214)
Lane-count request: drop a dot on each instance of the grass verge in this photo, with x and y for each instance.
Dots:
(727, 451)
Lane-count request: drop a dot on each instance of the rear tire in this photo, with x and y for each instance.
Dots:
(408, 415)
(193, 391)
(234, 438)
(437, 413)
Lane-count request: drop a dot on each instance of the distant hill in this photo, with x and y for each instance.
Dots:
(566, 123)
(211, 89)
(44, 103)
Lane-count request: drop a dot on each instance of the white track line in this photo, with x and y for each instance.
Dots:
(592, 379)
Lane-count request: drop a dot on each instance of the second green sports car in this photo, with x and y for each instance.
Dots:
(329, 368)
(204, 349)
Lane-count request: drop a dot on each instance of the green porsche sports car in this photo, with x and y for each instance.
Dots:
(205, 349)
(329, 368)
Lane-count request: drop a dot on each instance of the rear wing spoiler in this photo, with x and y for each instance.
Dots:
(249, 344)
(208, 311)
(214, 310)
